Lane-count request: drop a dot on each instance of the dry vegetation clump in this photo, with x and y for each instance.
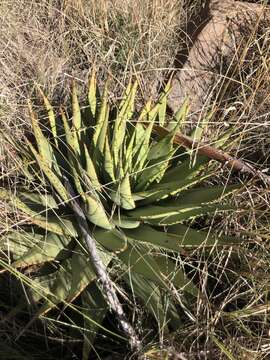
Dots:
(51, 42)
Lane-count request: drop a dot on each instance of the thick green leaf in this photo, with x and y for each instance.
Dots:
(46, 250)
(54, 180)
(76, 113)
(56, 224)
(112, 240)
(177, 237)
(163, 190)
(51, 116)
(75, 274)
(46, 200)
(153, 171)
(122, 196)
(44, 147)
(108, 163)
(201, 127)
(72, 143)
(31, 198)
(124, 114)
(92, 94)
(180, 117)
(175, 275)
(169, 215)
(139, 259)
(99, 149)
(101, 119)
(163, 104)
(90, 170)
(150, 294)
(94, 309)
(186, 170)
(125, 222)
(19, 242)
(128, 154)
(160, 153)
(139, 127)
(143, 136)
(191, 237)
(158, 269)
(95, 211)
(203, 195)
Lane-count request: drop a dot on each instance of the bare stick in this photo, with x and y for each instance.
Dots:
(101, 272)
(214, 154)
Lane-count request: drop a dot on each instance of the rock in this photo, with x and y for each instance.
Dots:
(218, 39)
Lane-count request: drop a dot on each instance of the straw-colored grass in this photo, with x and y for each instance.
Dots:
(50, 42)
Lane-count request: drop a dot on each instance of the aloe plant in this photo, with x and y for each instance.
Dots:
(140, 194)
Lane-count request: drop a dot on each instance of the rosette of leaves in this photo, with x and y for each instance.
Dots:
(140, 194)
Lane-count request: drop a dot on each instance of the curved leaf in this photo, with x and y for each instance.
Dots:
(178, 237)
(44, 147)
(76, 113)
(112, 240)
(46, 250)
(51, 115)
(94, 310)
(95, 211)
(166, 215)
(123, 196)
(92, 93)
(75, 274)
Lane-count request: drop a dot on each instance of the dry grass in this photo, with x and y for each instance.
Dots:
(49, 43)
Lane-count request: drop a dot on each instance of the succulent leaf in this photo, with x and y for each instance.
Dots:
(51, 176)
(137, 193)
(94, 309)
(122, 196)
(173, 214)
(51, 115)
(163, 104)
(44, 251)
(95, 211)
(113, 240)
(75, 274)
(44, 147)
(92, 93)
(76, 113)
(178, 237)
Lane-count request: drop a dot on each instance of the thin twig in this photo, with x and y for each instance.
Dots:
(214, 154)
(101, 272)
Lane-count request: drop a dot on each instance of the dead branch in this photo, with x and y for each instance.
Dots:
(101, 272)
(214, 154)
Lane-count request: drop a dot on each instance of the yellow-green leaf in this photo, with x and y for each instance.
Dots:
(76, 112)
